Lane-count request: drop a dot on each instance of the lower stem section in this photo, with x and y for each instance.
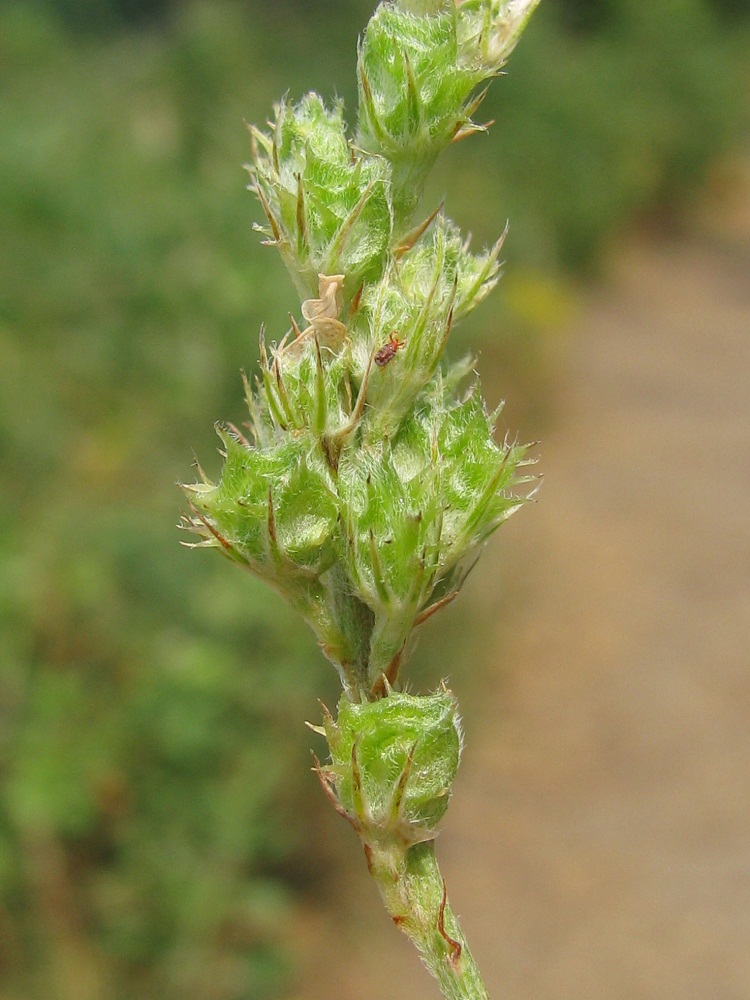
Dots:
(414, 893)
(393, 762)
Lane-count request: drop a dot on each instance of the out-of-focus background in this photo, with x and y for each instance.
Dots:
(160, 834)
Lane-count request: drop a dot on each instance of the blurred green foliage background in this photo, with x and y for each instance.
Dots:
(154, 772)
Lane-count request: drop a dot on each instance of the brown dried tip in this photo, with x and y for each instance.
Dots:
(411, 237)
(453, 945)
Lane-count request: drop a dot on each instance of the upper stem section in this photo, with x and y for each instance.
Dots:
(366, 475)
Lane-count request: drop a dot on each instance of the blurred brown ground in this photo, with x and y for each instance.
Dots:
(598, 844)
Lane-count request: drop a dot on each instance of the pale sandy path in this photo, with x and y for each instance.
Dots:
(598, 845)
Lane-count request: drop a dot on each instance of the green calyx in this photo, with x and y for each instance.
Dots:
(416, 508)
(413, 91)
(392, 765)
(327, 204)
(416, 304)
(420, 64)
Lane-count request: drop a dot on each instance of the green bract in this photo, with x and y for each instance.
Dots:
(420, 63)
(368, 477)
(327, 204)
(393, 763)
(412, 94)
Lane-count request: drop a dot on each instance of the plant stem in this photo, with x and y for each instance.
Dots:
(355, 620)
(414, 893)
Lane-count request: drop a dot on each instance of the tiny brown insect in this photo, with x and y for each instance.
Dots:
(388, 351)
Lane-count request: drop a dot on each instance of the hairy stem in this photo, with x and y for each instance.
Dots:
(414, 893)
(355, 620)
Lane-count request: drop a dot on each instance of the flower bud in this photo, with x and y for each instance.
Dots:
(327, 206)
(273, 510)
(417, 507)
(393, 763)
(420, 62)
(488, 31)
(412, 93)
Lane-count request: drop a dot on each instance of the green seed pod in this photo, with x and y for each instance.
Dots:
(393, 763)
(327, 206)
(272, 511)
(420, 63)
(412, 94)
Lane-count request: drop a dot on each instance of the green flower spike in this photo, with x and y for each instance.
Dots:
(368, 475)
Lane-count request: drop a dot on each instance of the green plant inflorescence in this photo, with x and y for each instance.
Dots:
(368, 474)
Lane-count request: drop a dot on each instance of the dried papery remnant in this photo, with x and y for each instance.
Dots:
(322, 314)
